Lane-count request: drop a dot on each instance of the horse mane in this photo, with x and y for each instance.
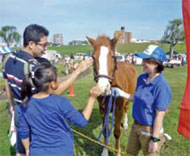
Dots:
(103, 40)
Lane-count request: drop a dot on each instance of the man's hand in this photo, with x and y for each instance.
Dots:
(70, 80)
(84, 65)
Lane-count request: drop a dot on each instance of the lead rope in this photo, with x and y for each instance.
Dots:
(105, 126)
(99, 143)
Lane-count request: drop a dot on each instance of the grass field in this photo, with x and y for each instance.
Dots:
(122, 48)
(178, 146)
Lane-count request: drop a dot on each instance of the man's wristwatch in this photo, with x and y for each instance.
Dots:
(155, 139)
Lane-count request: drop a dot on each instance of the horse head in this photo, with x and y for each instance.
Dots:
(104, 61)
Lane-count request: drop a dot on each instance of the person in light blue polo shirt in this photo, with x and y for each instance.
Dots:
(150, 102)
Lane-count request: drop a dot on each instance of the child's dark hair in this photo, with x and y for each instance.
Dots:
(34, 33)
(37, 81)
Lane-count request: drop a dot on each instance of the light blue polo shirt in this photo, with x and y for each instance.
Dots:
(150, 96)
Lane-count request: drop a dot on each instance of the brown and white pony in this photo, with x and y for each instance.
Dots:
(109, 73)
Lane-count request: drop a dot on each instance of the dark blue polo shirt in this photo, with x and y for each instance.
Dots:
(150, 96)
(13, 71)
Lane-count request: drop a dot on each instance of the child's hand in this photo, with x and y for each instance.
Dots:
(95, 91)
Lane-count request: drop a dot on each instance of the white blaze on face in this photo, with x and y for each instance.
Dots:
(103, 82)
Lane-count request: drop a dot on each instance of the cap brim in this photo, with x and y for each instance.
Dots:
(143, 55)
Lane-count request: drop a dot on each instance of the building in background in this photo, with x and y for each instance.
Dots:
(125, 36)
(58, 39)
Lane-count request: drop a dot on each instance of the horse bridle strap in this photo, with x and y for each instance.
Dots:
(96, 77)
(104, 76)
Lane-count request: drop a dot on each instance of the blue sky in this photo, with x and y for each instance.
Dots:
(75, 19)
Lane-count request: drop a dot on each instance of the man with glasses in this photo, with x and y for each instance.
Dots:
(35, 43)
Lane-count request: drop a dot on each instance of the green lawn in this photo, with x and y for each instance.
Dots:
(179, 146)
(122, 48)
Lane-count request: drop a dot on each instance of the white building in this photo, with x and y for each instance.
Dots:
(58, 39)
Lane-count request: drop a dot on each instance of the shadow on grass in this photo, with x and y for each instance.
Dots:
(83, 145)
(12, 150)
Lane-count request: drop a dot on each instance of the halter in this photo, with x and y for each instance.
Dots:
(110, 78)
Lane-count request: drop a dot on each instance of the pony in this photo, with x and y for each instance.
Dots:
(109, 73)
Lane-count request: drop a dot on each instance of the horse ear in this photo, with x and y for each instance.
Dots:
(115, 39)
(91, 40)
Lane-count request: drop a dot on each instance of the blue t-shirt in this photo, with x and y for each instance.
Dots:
(45, 120)
(150, 96)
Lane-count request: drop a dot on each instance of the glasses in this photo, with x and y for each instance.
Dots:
(44, 45)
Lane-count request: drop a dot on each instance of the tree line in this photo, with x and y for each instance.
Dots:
(10, 35)
(174, 33)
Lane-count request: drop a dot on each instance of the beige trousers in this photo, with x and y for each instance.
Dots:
(139, 139)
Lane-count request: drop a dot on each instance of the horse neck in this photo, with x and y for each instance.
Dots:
(119, 76)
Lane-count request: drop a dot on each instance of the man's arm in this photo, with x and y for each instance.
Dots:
(66, 83)
(9, 95)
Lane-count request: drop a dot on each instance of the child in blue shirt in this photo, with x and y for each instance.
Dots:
(44, 115)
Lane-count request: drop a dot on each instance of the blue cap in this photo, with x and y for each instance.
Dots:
(153, 51)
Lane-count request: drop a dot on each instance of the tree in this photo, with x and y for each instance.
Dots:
(9, 35)
(173, 34)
